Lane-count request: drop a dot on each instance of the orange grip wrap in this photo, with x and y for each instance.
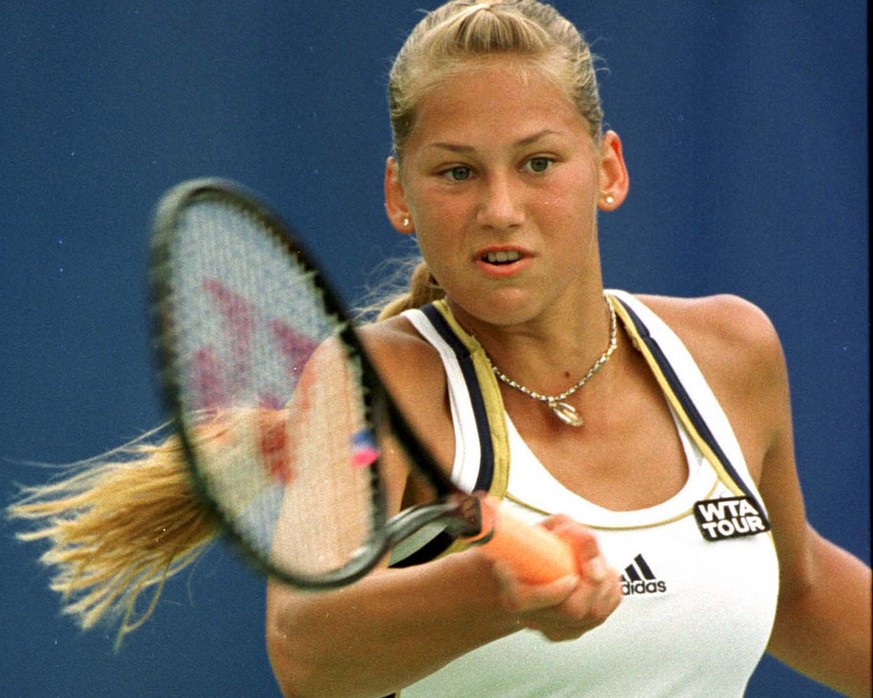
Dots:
(536, 555)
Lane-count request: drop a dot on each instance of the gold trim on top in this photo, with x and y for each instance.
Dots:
(493, 401)
(494, 410)
(675, 403)
(660, 522)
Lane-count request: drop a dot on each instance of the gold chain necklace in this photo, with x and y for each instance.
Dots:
(563, 411)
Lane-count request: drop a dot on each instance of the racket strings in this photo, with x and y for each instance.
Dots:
(256, 349)
(325, 519)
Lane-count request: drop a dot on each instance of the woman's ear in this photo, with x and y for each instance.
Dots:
(395, 199)
(614, 182)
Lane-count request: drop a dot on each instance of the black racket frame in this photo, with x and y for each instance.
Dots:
(459, 512)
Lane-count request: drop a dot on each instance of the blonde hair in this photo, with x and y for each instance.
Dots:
(534, 35)
(118, 526)
(403, 284)
(530, 35)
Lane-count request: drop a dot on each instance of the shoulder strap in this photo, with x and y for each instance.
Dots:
(487, 407)
(464, 356)
(630, 311)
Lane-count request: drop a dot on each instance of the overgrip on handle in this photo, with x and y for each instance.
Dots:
(534, 554)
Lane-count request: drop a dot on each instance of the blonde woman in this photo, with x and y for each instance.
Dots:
(653, 433)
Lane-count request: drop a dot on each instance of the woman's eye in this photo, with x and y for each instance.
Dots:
(458, 174)
(538, 165)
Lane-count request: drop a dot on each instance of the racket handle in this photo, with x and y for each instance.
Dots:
(533, 553)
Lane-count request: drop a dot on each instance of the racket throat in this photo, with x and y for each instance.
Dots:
(460, 515)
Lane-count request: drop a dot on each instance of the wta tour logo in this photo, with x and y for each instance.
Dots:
(731, 517)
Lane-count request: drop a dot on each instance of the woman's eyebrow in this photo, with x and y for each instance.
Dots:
(461, 148)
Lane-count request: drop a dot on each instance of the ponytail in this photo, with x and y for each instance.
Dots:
(423, 289)
(118, 526)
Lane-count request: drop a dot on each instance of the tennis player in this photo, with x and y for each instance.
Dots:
(661, 424)
(652, 434)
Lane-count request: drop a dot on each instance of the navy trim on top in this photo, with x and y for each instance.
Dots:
(486, 464)
(688, 405)
(443, 540)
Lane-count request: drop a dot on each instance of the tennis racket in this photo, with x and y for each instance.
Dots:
(281, 412)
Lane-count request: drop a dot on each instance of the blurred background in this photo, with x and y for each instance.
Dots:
(744, 127)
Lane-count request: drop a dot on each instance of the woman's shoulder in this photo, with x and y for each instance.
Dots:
(401, 355)
(732, 340)
(723, 323)
(395, 337)
(412, 370)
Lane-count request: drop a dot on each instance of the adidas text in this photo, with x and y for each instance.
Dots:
(631, 588)
(638, 578)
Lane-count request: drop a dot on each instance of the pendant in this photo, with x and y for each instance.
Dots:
(567, 414)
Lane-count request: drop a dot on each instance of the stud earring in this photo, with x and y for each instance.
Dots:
(405, 222)
(609, 199)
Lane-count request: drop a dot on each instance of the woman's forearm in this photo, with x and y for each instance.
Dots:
(394, 627)
(384, 632)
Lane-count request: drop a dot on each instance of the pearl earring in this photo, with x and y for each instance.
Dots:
(405, 221)
(609, 199)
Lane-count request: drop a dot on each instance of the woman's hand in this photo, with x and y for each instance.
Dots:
(568, 607)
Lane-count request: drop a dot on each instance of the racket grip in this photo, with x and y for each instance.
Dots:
(535, 554)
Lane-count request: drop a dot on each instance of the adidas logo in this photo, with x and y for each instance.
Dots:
(638, 578)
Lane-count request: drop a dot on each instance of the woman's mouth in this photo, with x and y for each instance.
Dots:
(503, 262)
(501, 257)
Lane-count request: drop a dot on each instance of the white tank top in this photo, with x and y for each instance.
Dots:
(699, 575)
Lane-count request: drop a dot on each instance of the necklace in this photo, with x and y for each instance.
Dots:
(563, 411)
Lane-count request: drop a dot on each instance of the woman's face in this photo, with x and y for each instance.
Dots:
(501, 181)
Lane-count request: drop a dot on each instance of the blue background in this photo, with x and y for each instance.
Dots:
(744, 126)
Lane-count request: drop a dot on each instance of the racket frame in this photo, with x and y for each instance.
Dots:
(460, 513)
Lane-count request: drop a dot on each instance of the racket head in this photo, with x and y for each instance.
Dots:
(271, 392)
